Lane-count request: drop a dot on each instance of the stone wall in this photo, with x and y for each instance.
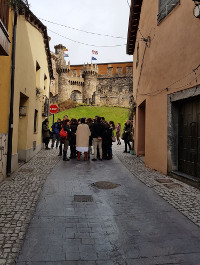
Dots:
(115, 89)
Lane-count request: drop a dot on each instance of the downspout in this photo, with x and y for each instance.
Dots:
(10, 129)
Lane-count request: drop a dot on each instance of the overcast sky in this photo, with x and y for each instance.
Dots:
(100, 16)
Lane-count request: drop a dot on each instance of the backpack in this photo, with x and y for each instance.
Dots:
(63, 134)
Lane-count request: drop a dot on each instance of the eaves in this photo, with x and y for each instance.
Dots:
(134, 20)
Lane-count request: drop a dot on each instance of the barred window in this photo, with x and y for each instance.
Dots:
(165, 7)
(4, 13)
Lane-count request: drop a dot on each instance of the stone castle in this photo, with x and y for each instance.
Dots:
(99, 84)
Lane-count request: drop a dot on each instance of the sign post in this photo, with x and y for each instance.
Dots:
(53, 109)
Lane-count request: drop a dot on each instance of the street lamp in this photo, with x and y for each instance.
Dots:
(196, 11)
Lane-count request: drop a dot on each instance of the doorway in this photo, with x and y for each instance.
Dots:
(141, 128)
(189, 138)
(22, 127)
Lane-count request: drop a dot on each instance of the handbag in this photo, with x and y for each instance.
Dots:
(63, 134)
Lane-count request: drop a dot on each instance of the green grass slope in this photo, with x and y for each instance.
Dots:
(110, 113)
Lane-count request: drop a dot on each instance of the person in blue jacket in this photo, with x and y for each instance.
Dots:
(56, 127)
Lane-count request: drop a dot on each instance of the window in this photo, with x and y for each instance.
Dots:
(4, 12)
(35, 120)
(45, 81)
(165, 7)
(119, 70)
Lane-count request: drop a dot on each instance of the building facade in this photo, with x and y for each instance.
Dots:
(162, 38)
(33, 71)
(26, 70)
(100, 84)
(6, 32)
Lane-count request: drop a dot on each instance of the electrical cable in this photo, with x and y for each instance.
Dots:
(92, 45)
(85, 31)
(141, 33)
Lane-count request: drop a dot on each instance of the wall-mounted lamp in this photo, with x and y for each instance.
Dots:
(196, 11)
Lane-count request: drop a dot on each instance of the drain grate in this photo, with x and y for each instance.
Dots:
(105, 185)
(164, 180)
(83, 198)
(173, 186)
(26, 170)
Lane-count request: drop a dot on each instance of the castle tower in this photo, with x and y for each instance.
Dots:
(90, 84)
(63, 72)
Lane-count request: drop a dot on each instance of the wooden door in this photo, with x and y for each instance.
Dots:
(189, 138)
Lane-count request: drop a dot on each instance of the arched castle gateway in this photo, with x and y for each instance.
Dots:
(101, 84)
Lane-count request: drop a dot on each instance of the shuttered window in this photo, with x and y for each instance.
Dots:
(165, 7)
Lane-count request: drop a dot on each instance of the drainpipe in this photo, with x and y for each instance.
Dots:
(10, 129)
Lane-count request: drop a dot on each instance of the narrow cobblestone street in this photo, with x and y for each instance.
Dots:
(130, 224)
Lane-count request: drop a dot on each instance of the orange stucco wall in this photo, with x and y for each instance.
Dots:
(172, 54)
(103, 67)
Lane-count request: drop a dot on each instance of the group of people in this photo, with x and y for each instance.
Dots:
(80, 135)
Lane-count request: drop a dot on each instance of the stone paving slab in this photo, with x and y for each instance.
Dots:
(184, 197)
(18, 198)
(130, 224)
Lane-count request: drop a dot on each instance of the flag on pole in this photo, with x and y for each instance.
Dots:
(94, 52)
(93, 58)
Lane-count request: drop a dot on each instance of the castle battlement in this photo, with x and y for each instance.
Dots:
(101, 84)
(91, 69)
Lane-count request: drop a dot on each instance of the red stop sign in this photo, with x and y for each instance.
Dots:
(53, 109)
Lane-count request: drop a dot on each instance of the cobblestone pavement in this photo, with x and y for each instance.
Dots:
(183, 197)
(18, 198)
(76, 222)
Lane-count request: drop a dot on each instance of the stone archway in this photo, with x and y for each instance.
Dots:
(76, 96)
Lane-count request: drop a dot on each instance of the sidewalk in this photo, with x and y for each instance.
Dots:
(18, 198)
(183, 197)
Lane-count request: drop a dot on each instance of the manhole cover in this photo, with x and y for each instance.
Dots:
(105, 185)
(83, 198)
(164, 180)
(26, 170)
(173, 186)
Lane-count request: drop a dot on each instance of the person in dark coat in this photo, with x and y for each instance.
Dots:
(107, 141)
(112, 127)
(66, 127)
(90, 122)
(127, 135)
(73, 127)
(97, 134)
(46, 133)
(104, 122)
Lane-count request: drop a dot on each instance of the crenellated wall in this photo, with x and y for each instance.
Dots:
(102, 84)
